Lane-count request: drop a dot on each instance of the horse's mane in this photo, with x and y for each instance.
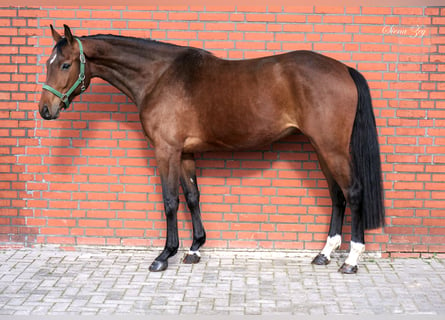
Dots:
(128, 39)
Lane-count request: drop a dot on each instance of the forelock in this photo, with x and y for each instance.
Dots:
(61, 44)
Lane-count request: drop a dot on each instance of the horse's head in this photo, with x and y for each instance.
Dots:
(67, 75)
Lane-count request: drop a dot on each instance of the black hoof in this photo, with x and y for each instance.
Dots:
(157, 266)
(348, 269)
(191, 258)
(321, 260)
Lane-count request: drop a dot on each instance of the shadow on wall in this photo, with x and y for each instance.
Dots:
(100, 166)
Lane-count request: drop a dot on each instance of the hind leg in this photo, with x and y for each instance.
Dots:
(338, 212)
(190, 187)
(338, 166)
(358, 232)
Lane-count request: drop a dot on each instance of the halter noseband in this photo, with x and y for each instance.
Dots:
(80, 81)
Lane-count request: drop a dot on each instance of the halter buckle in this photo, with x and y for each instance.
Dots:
(65, 101)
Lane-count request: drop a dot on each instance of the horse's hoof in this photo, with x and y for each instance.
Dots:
(191, 258)
(348, 269)
(158, 266)
(321, 260)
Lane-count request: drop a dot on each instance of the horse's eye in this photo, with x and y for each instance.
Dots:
(66, 66)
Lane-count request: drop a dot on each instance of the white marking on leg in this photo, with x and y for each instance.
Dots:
(53, 58)
(331, 244)
(357, 250)
(191, 252)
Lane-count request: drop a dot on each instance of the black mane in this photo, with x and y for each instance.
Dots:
(137, 41)
(132, 41)
(128, 38)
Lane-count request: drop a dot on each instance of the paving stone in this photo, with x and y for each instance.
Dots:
(99, 281)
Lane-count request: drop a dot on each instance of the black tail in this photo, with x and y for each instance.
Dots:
(366, 157)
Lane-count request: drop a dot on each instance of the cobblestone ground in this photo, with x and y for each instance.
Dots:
(95, 281)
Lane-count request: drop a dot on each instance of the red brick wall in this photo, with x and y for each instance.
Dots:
(89, 177)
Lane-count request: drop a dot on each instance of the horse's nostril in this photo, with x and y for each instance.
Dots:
(45, 112)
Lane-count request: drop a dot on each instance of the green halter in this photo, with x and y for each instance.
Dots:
(81, 80)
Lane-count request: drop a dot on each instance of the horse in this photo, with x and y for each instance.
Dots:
(191, 101)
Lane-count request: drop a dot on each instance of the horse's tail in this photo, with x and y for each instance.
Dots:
(367, 172)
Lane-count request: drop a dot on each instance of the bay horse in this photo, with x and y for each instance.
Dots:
(190, 101)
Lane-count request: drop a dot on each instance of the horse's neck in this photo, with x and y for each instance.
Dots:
(132, 67)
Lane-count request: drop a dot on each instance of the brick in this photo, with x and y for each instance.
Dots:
(91, 241)
(211, 16)
(142, 24)
(251, 17)
(369, 20)
(329, 10)
(298, 9)
(376, 10)
(66, 14)
(291, 18)
(96, 24)
(330, 19)
(336, 37)
(298, 28)
(408, 11)
(334, 28)
(104, 14)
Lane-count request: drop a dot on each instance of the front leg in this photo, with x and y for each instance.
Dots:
(168, 161)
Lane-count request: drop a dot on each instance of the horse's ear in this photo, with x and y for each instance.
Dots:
(68, 35)
(56, 35)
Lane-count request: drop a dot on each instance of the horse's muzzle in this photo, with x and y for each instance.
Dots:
(44, 112)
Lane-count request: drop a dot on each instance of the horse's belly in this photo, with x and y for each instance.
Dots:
(238, 141)
(266, 137)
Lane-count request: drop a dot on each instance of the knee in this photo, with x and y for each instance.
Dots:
(171, 205)
(192, 198)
